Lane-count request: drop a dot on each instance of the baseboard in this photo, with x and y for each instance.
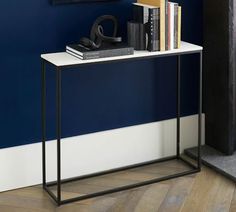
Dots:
(21, 166)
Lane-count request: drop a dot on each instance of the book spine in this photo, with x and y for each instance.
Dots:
(136, 35)
(108, 53)
(176, 8)
(166, 25)
(158, 29)
(161, 5)
(162, 25)
(74, 54)
(172, 25)
(154, 30)
(179, 25)
(169, 22)
(145, 15)
(74, 51)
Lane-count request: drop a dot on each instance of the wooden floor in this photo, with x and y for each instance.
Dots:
(206, 191)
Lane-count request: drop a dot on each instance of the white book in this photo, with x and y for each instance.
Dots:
(74, 54)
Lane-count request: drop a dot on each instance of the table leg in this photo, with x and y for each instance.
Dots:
(43, 118)
(200, 114)
(58, 121)
(178, 105)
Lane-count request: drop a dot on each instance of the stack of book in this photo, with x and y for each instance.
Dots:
(164, 21)
(109, 50)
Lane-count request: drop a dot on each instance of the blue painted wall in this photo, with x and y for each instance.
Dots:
(95, 98)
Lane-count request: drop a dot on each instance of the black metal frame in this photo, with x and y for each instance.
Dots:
(59, 181)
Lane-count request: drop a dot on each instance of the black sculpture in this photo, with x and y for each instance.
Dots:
(97, 36)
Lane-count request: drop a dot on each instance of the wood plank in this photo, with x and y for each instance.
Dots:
(221, 195)
(211, 192)
(127, 201)
(137, 176)
(32, 192)
(233, 202)
(197, 199)
(6, 208)
(175, 198)
(152, 198)
(96, 205)
(28, 202)
(80, 188)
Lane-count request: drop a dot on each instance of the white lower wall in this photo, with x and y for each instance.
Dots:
(21, 166)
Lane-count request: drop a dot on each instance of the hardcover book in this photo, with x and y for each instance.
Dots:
(171, 25)
(174, 26)
(154, 30)
(149, 15)
(176, 8)
(162, 5)
(109, 50)
(166, 25)
(140, 12)
(179, 26)
(137, 35)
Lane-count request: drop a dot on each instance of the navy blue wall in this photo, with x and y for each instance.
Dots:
(95, 98)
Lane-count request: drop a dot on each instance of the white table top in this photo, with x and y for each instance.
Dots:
(61, 59)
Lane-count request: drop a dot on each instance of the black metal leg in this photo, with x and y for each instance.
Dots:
(178, 106)
(200, 115)
(58, 109)
(43, 117)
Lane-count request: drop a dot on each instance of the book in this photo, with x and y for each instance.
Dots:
(109, 50)
(160, 4)
(140, 12)
(169, 23)
(136, 35)
(171, 26)
(174, 25)
(166, 25)
(176, 11)
(179, 25)
(149, 15)
(154, 29)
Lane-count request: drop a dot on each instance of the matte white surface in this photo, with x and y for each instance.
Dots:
(65, 59)
(22, 166)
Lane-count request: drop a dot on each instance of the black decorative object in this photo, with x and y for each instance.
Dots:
(97, 34)
(220, 74)
(136, 35)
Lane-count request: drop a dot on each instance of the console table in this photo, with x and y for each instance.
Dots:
(61, 61)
